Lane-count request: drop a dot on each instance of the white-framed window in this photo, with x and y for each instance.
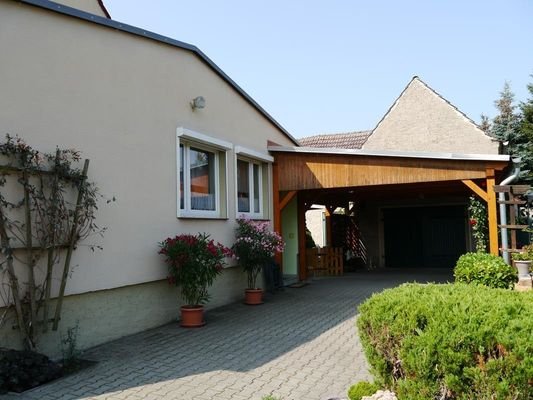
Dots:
(202, 172)
(249, 187)
(252, 183)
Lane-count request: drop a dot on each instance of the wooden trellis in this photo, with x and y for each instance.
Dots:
(43, 189)
(518, 212)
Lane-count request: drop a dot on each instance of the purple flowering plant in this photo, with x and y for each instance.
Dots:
(255, 245)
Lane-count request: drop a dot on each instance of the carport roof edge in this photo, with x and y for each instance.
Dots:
(390, 153)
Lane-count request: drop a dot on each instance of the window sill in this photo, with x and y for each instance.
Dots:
(253, 217)
(200, 216)
(232, 266)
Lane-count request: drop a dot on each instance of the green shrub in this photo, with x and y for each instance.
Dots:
(360, 389)
(451, 341)
(525, 255)
(485, 269)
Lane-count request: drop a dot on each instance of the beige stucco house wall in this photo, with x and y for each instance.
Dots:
(421, 120)
(121, 98)
(95, 7)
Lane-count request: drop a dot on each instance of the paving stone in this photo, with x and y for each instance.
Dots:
(300, 344)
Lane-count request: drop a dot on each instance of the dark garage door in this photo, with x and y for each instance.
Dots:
(424, 236)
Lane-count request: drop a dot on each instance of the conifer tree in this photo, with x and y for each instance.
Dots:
(508, 128)
(526, 126)
(485, 124)
(526, 130)
(506, 125)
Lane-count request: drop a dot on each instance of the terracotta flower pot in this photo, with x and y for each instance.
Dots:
(192, 316)
(253, 297)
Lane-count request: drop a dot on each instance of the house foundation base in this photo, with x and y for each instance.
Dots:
(107, 315)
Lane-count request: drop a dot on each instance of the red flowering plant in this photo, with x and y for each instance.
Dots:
(254, 246)
(193, 261)
(478, 224)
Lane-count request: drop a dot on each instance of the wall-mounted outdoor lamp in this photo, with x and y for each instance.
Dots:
(198, 103)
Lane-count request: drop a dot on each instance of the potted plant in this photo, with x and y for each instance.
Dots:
(522, 261)
(255, 245)
(193, 261)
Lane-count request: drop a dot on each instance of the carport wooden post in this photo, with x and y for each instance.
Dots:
(492, 213)
(489, 197)
(328, 227)
(302, 262)
(277, 209)
(278, 206)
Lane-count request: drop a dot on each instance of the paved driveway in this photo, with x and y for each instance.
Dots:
(301, 344)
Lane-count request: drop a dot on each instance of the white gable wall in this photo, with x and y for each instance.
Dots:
(421, 120)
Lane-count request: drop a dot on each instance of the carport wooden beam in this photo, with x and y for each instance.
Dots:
(310, 171)
(489, 196)
(476, 189)
(286, 200)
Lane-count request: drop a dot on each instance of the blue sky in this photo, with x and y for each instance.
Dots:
(337, 66)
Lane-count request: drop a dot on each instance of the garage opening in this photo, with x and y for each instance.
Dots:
(425, 237)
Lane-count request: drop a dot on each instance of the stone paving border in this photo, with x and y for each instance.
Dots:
(301, 344)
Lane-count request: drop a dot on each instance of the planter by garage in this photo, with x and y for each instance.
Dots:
(253, 297)
(522, 261)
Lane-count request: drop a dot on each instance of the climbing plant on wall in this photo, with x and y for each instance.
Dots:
(478, 223)
(47, 207)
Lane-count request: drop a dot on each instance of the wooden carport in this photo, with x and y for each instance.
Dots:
(303, 170)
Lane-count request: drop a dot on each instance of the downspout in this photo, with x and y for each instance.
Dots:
(503, 209)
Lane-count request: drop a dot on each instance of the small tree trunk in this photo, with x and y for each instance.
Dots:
(250, 279)
(72, 242)
(4, 240)
(30, 263)
(52, 243)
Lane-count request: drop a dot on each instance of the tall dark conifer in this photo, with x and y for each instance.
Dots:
(507, 127)
(526, 129)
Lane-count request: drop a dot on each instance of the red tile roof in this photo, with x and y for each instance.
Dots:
(348, 140)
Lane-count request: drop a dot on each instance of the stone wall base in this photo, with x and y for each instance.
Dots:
(107, 315)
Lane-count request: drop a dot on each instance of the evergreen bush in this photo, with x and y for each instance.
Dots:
(360, 389)
(451, 341)
(485, 269)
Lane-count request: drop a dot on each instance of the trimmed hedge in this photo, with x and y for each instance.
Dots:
(360, 389)
(451, 341)
(485, 269)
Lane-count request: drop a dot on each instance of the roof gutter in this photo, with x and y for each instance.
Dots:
(391, 153)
